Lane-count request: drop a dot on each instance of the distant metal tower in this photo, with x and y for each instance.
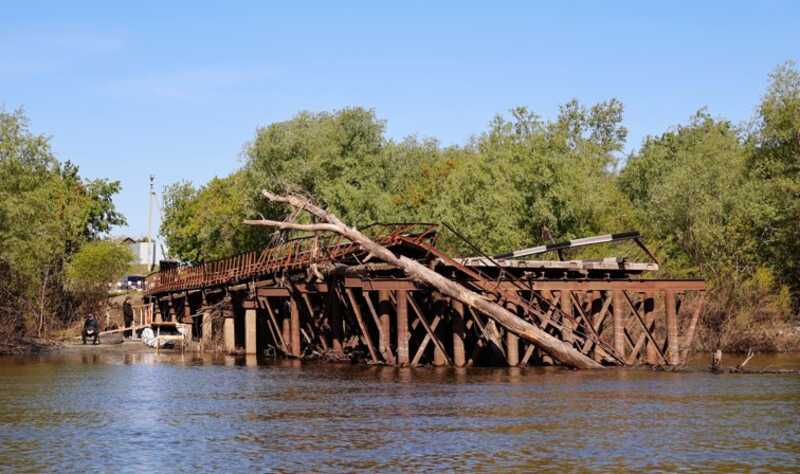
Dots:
(150, 242)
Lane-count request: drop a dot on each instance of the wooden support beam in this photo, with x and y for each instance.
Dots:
(294, 316)
(250, 333)
(278, 333)
(424, 344)
(384, 324)
(651, 354)
(619, 322)
(206, 330)
(402, 328)
(673, 345)
(687, 345)
(430, 332)
(565, 298)
(512, 349)
(459, 333)
(361, 325)
(528, 354)
(229, 334)
(644, 327)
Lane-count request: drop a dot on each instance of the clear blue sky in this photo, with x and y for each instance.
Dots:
(126, 89)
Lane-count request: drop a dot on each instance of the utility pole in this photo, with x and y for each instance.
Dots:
(150, 242)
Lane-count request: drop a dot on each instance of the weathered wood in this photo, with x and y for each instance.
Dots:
(278, 332)
(424, 344)
(512, 349)
(294, 317)
(363, 327)
(565, 353)
(644, 327)
(431, 335)
(385, 325)
(250, 334)
(618, 311)
(229, 335)
(651, 354)
(401, 311)
(687, 345)
(673, 345)
(459, 333)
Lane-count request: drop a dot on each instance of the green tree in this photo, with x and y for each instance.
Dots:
(96, 265)
(47, 213)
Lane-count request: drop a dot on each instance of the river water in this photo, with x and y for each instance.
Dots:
(141, 412)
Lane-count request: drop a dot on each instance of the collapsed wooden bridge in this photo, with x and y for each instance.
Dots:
(328, 296)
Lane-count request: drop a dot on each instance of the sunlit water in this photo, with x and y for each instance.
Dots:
(141, 412)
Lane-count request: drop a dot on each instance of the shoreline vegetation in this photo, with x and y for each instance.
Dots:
(714, 200)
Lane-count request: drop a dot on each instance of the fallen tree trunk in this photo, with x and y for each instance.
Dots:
(559, 350)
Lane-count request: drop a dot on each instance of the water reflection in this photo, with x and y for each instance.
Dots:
(143, 411)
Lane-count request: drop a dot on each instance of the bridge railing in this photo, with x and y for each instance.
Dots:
(293, 254)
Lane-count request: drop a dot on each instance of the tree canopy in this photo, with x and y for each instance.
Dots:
(48, 212)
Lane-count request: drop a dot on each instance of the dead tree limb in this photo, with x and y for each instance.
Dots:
(563, 352)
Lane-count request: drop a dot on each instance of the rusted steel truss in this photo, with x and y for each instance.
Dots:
(322, 296)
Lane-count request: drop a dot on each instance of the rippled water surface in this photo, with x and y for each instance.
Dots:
(141, 412)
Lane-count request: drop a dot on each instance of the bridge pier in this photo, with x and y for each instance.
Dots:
(229, 332)
(250, 331)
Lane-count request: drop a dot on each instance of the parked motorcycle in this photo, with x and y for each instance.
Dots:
(91, 330)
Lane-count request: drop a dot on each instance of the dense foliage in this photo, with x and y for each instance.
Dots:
(714, 199)
(47, 214)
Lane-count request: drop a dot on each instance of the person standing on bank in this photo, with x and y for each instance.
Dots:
(127, 316)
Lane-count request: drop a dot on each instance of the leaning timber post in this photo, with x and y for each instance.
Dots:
(651, 354)
(673, 356)
(402, 328)
(250, 328)
(294, 324)
(385, 341)
(618, 306)
(437, 304)
(286, 330)
(459, 331)
(188, 323)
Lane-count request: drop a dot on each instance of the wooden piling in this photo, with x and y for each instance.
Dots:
(512, 349)
(402, 328)
(439, 358)
(618, 305)
(250, 332)
(286, 330)
(565, 301)
(385, 329)
(206, 330)
(229, 334)
(671, 323)
(651, 353)
(294, 312)
(459, 331)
